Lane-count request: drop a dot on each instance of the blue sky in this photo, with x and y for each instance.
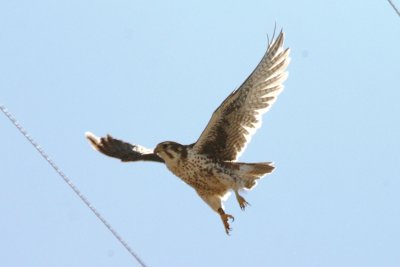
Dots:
(149, 71)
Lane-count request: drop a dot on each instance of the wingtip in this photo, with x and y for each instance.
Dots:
(93, 140)
(282, 33)
(276, 43)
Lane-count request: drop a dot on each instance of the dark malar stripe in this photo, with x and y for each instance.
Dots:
(180, 150)
(169, 154)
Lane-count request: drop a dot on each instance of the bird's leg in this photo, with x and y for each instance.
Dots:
(225, 217)
(242, 202)
(214, 201)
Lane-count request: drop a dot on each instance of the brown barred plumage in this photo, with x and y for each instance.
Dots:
(209, 165)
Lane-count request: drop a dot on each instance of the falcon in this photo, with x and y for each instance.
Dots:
(210, 164)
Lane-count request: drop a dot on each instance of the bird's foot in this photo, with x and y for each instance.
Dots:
(242, 202)
(225, 219)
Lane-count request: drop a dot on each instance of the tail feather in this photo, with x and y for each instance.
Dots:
(251, 172)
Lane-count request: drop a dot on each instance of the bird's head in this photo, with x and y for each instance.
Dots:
(170, 151)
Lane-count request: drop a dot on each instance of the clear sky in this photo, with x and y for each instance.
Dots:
(150, 71)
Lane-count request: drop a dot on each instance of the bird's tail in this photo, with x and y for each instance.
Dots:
(251, 172)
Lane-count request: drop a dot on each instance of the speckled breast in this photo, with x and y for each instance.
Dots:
(201, 173)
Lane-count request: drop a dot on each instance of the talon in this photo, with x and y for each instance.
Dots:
(225, 220)
(242, 202)
(227, 231)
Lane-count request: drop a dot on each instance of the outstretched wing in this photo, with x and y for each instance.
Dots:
(121, 150)
(239, 116)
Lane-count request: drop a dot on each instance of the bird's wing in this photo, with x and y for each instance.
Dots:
(121, 150)
(239, 116)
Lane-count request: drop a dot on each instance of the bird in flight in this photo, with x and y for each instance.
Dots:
(210, 164)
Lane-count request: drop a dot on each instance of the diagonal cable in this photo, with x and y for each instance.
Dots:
(394, 7)
(70, 183)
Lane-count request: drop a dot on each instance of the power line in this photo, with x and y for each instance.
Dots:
(70, 183)
(394, 7)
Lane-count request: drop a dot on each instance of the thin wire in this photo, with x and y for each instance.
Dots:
(394, 7)
(69, 182)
